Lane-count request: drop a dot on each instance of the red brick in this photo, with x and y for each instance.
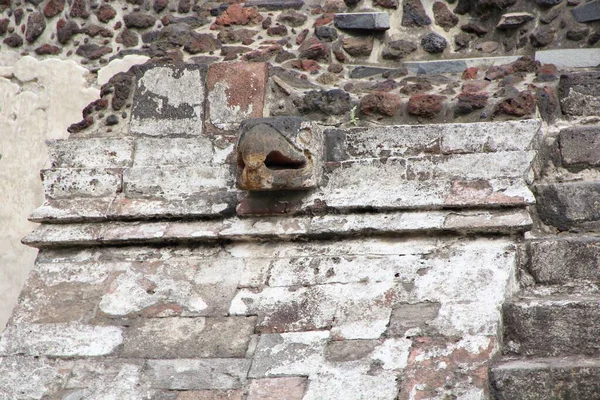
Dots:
(236, 91)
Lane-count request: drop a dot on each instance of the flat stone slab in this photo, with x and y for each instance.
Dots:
(455, 66)
(569, 58)
(273, 5)
(217, 337)
(574, 377)
(517, 220)
(193, 374)
(587, 12)
(377, 21)
(60, 340)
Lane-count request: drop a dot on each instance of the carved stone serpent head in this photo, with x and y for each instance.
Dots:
(280, 153)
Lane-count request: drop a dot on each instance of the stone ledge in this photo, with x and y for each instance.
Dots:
(574, 377)
(251, 229)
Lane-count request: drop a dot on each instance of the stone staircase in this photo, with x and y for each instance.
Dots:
(551, 329)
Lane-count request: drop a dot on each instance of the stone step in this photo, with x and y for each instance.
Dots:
(569, 206)
(573, 378)
(562, 260)
(552, 325)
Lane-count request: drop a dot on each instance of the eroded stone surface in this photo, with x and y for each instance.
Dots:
(169, 101)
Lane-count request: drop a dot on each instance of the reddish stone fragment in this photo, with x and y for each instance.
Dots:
(53, 8)
(381, 103)
(425, 105)
(47, 49)
(95, 30)
(201, 43)
(469, 101)
(244, 87)
(547, 73)
(79, 9)
(36, 24)
(464, 369)
(4, 26)
(236, 14)
(301, 36)
(81, 125)
(470, 73)
(139, 20)
(324, 19)
(160, 5)
(105, 13)
(314, 49)
(519, 106)
(358, 46)
(386, 3)
(277, 30)
(306, 65)
(13, 40)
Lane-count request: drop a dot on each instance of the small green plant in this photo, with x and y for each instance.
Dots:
(353, 118)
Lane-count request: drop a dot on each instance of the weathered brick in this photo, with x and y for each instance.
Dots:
(423, 375)
(60, 340)
(357, 369)
(169, 100)
(188, 337)
(31, 377)
(100, 379)
(236, 91)
(65, 183)
(211, 395)
(174, 287)
(290, 388)
(413, 319)
(289, 354)
(191, 374)
(90, 153)
(150, 152)
(172, 182)
(353, 311)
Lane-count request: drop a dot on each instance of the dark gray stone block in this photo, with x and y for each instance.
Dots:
(552, 326)
(580, 146)
(335, 145)
(274, 5)
(572, 378)
(579, 93)
(374, 21)
(365, 72)
(569, 206)
(587, 12)
(565, 260)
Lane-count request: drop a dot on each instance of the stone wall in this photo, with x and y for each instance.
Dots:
(159, 278)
